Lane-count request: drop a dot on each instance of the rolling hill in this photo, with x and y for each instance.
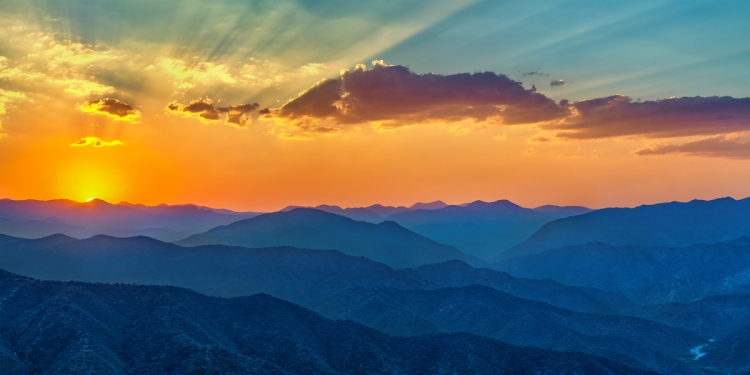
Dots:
(386, 242)
(672, 224)
(482, 229)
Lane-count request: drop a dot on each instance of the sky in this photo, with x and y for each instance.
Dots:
(256, 105)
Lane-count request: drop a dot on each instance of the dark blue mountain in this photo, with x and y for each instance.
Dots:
(672, 224)
(645, 274)
(306, 228)
(486, 311)
(79, 328)
(298, 275)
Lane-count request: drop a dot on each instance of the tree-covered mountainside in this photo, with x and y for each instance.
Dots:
(79, 328)
(643, 273)
(485, 311)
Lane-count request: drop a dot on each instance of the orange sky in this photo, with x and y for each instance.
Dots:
(52, 77)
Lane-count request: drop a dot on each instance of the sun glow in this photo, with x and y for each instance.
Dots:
(90, 199)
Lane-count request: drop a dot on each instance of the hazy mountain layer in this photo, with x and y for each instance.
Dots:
(298, 275)
(481, 229)
(66, 328)
(37, 219)
(387, 242)
(666, 224)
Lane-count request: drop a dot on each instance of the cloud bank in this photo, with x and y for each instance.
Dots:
(392, 96)
(619, 115)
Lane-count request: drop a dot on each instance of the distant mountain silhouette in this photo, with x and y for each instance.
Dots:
(386, 242)
(665, 224)
(79, 328)
(479, 228)
(428, 206)
(36, 219)
(298, 275)
(644, 274)
(489, 312)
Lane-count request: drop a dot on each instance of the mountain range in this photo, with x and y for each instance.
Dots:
(62, 328)
(298, 275)
(36, 219)
(674, 224)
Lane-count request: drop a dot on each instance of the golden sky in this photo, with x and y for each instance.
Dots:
(256, 107)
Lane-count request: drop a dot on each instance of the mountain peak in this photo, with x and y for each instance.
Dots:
(428, 206)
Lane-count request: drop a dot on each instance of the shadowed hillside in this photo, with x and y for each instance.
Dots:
(298, 275)
(644, 274)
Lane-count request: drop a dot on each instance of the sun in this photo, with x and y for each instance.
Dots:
(90, 199)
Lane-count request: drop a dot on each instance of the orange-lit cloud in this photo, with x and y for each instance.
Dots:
(95, 142)
(204, 110)
(721, 146)
(112, 108)
(393, 96)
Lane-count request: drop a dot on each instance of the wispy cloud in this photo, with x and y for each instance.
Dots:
(721, 146)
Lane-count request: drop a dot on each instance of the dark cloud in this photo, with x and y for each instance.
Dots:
(112, 108)
(618, 116)
(556, 83)
(393, 96)
(204, 109)
(719, 146)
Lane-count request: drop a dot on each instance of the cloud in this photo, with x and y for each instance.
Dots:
(540, 138)
(392, 96)
(112, 108)
(720, 146)
(204, 110)
(619, 115)
(6, 97)
(95, 142)
(556, 83)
